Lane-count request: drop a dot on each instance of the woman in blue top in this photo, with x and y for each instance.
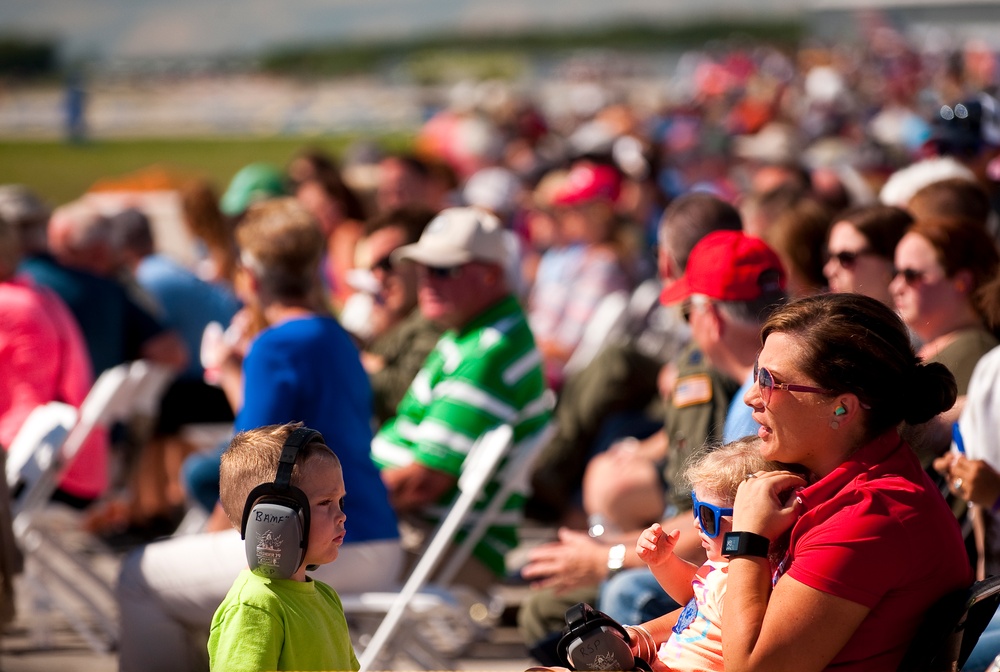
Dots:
(301, 367)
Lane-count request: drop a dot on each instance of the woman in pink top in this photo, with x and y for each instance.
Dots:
(44, 358)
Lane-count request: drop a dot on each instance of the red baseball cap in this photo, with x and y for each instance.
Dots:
(588, 182)
(728, 266)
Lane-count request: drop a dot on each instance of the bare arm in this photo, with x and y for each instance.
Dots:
(168, 349)
(655, 547)
(800, 629)
(578, 560)
(794, 627)
(415, 486)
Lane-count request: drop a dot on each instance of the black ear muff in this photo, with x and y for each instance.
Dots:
(592, 640)
(275, 527)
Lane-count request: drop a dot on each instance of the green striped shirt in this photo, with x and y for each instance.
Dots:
(488, 374)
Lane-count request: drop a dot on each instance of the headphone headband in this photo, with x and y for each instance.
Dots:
(297, 440)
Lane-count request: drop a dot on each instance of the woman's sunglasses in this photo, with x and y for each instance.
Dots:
(768, 385)
(709, 516)
(847, 258)
(911, 276)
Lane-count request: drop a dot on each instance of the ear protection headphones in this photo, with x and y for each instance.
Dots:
(592, 640)
(275, 527)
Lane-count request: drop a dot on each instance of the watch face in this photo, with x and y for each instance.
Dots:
(731, 543)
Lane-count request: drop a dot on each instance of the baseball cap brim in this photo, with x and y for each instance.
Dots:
(427, 255)
(676, 292)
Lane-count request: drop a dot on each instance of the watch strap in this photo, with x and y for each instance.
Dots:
(735, 544)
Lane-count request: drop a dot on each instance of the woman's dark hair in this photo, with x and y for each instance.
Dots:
(954, 197)
(315, 165)
(881, 225)
(854, 343)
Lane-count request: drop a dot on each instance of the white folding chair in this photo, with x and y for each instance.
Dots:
(605, 325)
(61, 574)
(416, 602)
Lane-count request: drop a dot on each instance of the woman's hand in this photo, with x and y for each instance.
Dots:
(655, 546)
(767, 503)
(974, 481)
(574, 560)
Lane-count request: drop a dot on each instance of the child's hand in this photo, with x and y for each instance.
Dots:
(655, 546)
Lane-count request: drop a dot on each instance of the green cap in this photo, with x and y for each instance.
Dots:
(252, 183)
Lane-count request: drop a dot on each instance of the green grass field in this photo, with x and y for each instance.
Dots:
(59, 171)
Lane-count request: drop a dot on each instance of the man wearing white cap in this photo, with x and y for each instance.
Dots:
(484, 371)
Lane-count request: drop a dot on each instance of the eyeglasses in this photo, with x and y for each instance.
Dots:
(911, 276)
(709, 516)
(442, 272)
(847, 258)
(768, 385)
(692, 302)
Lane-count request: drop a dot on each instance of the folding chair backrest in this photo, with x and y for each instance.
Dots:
(604, 325)
(952, 627)
(36, 445)
(482, 461)
(983, 602)
(108, 400)
(513, 478)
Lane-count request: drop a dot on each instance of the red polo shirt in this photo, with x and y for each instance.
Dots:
(876, 531)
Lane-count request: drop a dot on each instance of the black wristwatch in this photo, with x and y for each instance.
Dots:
(735, 544)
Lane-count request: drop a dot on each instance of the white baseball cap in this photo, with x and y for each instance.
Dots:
(457, 236)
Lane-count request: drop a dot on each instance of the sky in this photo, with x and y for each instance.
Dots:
(150, 28)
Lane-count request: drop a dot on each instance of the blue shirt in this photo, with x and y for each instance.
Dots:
(114, 326)
(188, 302)
(739, 418)
(309, 370)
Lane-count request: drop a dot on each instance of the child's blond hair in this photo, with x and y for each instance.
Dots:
(718, 471)
(252, 459)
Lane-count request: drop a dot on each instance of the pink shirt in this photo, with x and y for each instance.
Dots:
(44, 358)
(695, 645)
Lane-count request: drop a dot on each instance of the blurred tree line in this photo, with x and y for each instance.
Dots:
(26, 58)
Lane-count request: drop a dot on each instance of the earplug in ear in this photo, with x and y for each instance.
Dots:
(840, 410)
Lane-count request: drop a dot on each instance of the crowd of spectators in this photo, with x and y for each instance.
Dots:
(454, 283)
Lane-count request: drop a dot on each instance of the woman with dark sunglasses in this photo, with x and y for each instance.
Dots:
(941, 265)
(859, 248)
(872, 543)
(696, 638)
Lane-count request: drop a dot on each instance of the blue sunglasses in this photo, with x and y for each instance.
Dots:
(709, 516)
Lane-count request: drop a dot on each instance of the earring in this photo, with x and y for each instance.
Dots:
(840, 410)
(834, 424)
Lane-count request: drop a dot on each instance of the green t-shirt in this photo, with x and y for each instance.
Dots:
(486, 375)
(280, 624)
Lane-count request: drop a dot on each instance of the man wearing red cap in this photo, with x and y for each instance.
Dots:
(731, 284)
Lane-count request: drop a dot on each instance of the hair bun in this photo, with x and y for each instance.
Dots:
(931, 389)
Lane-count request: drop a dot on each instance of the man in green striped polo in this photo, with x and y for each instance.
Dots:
(484, 371)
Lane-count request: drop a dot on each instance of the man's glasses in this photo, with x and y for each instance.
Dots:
(911, 276)
(709, 516)
(848, 258)
(692, 302)
(442, 272)
(768, 385)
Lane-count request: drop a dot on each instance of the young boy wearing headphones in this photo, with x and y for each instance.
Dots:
(283, 488)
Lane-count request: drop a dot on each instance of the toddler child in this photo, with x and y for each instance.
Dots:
(294, 623)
